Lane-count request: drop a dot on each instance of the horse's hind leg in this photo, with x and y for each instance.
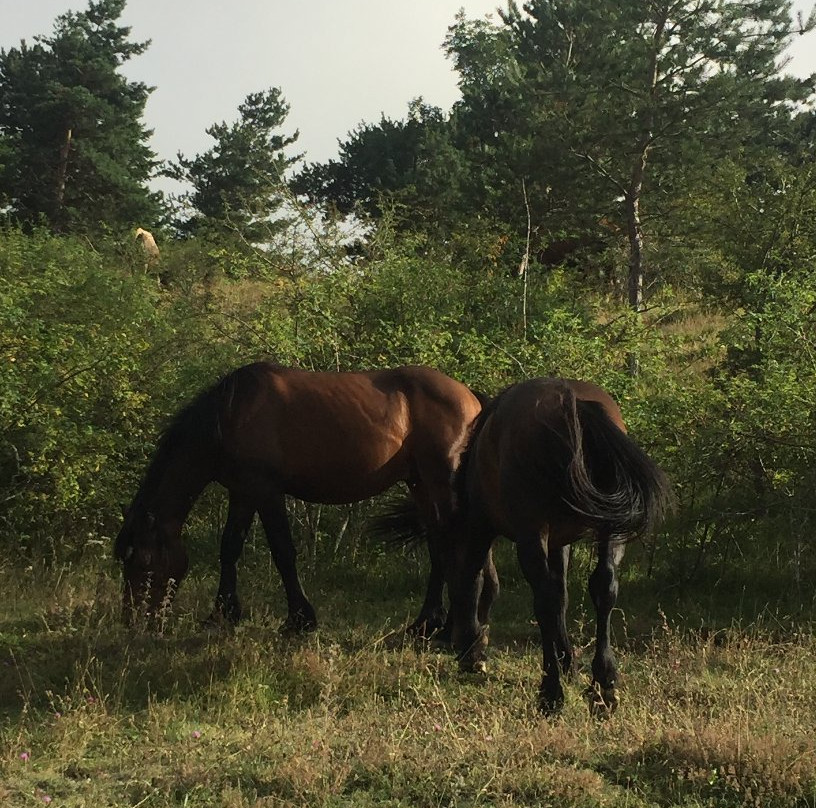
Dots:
(472, 555)
(434, 501)
(239, 519)
(546, 582)
(603, 588)
(301, 616)
(559, 565)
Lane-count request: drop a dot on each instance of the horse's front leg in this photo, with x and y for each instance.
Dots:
(548, 603)
(239, 519)
(301, 615)
(603, 589)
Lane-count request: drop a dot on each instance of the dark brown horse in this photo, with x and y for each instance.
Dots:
(264, 432)
(547, 461)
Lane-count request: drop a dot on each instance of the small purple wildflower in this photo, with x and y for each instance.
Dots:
(24, 756)
(196, 734)
(46, 798)
(437, 728)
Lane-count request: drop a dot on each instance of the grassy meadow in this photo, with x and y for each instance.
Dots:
(718, 701)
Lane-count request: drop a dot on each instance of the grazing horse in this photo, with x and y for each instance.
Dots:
(266, 431)
(548, 460)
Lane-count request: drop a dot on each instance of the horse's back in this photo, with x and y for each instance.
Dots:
(343, 436)
(553, 394)
(423, 390)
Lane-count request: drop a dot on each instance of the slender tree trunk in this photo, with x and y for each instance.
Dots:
(524, 267)
(62, 173)
(634, 232)
(634, 228)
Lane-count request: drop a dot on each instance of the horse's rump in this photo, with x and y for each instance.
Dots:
(550, 451)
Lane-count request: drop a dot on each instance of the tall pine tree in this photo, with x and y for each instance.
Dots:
(238, 185)
(76, 153)
(605, 106)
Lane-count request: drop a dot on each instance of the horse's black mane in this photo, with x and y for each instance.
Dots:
(197, 426)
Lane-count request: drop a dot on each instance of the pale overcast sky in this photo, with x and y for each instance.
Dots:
(337, 62)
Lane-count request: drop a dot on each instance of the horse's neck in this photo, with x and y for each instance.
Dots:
(179, 486)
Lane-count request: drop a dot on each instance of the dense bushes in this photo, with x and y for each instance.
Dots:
(95, 356)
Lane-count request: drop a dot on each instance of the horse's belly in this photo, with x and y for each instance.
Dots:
(343, 482)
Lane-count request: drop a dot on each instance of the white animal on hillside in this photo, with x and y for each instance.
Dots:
(149, 247)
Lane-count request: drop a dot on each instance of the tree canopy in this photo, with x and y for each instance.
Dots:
(73, 148)
(600, 120)
(237, 184)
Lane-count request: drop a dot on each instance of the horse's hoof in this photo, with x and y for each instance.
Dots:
(295, 625)
(550, 707)
(214, 623)
(472, 659)
(444, 636)
(218, 621)
(227, 610)
(426, 628)
(477, 666)
(602, 701)
(550, 701)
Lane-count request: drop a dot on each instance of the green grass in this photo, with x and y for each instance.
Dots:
(714, 712)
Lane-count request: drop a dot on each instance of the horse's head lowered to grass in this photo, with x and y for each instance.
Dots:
(154, 562)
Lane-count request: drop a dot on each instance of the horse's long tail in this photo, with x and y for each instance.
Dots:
(399, 523)
(609, 481)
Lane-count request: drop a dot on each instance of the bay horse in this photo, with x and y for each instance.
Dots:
(548, 460)
(266, 431)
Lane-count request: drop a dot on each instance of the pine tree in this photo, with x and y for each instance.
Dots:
(238, 185)
(610, 104)
(77, 157)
